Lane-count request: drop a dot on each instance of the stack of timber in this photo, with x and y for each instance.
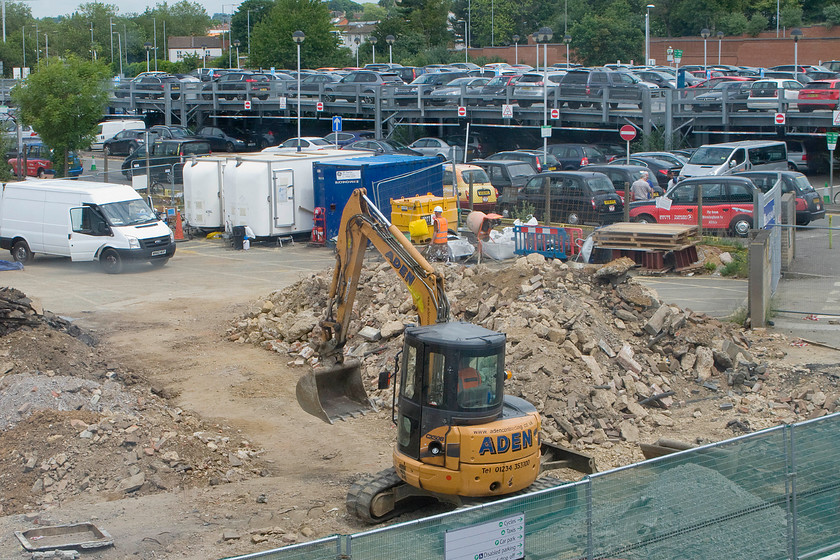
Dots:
(649, 244)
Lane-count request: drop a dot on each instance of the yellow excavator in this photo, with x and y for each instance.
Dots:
(458, 435)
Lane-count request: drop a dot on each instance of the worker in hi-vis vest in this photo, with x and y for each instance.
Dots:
(439, 248)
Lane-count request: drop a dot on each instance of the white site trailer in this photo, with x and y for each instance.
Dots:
(272, 193)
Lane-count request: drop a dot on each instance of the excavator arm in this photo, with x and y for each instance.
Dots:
(338, 391)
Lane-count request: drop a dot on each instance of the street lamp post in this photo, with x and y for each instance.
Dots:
(358, 42)
(515, 49)
(236, 44)
(720, 40)
(204, 56)
(110, 19)
(373, 40)
(298, 38)
(567, 39)
(544, 36)
(705, 34)
(647, 34)
(148, 47)
(390, 40)
(119, 43)
(796, 33)
(469, 27)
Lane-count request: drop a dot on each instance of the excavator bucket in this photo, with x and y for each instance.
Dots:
(333, 393)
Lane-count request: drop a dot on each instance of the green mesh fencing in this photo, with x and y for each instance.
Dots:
(770, 495)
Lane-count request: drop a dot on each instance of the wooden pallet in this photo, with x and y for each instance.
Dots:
(667, 237)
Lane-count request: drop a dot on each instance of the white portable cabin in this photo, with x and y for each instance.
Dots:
(272, 193)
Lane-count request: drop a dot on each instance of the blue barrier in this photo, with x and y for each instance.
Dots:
(550, 241)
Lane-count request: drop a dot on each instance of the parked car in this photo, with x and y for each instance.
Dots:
(736, 94)
(304, 143)
(764, 94)
(8, 127)
(348, 136)
(439, 148)
(484, 194)
(39, 161)
(313, 85)
(675, 160)
(727, 204)
(165, 158)
(238, 85)
(657, 77)
(529, 87)
(154, 87)
(362, 84)
(797, 155)
(382, 147)
(165, 132)
(507, 177)
(466, 90)
(494, 91)
(587, 86)
(210, 74)
(548, 160)
(621, 175)
(406, 94)
(408, 73)
(657, 168)
(820, 94)
(536, 160)
(573, 156)
(123, 143)
(809, 205)
(221, 141)
(577, 197)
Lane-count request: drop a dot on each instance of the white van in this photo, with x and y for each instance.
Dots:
(84, 221)
(108, 129)
(731, 157)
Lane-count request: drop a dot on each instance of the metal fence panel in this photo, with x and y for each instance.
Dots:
(322, 549)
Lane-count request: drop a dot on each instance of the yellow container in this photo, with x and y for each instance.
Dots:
(405, 211)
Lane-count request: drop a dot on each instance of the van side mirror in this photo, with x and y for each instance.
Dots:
(731, 163)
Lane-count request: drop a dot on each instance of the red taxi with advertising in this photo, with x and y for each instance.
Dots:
(727, 204)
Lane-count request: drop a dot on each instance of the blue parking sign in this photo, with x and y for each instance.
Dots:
(336, 123)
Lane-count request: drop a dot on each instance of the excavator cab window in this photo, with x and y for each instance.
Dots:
(478, 381)
(435, 388)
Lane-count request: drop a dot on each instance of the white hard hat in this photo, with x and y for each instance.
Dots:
(438, 209)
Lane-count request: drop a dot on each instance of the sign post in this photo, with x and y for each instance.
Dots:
(336, 126)
(627, 133)
(831, 141)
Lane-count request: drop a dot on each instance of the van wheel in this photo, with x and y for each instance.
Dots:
(741, 226)
(573, 218)
(229, 146)
(644, 219)
(111, 261)
(21, 252)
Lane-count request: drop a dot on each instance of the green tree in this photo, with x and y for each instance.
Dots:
(733, 24)
(791, 16)
(347, 7)
(758, 23)
(63, 100)
(373, 12)
(608, 35)
(271, 39)
(832, 14)
(249, 11)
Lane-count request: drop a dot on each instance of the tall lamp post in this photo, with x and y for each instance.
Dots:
(567, 39)
(796, 33)
(705, 34)
(390, 40)
(236, 44)
(119, 44)
(148, 47)
(720, 40)
(544, 36)
(298, 38)
(373, 40)
(515, 49)
(358, 42)
(647, 34)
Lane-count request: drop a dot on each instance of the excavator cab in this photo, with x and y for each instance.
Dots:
(451, 374)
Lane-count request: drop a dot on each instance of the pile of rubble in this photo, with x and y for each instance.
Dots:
(606, 363)
(73, 423)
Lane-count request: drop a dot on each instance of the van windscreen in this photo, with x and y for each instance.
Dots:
(710, 155)
(128, 213)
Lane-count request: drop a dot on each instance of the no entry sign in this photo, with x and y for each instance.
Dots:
(627, 132)
(780, 118)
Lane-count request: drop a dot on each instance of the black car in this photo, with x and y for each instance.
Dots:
(621, 176)
(735, 92)
(123, 142)
(156, 87)
(577, 197)
(573, 156)
(164, 132)
(221, 141)
(533, 157)
(586, 87)
(238, 85)
(658, 168)
(165, 159)
(508, 177)
(313, 85)
(382, 147)
(809, 205)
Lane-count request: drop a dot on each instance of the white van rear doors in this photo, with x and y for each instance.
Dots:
(283, 190)
(86, 235)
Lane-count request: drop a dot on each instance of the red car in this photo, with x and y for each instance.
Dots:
(819, 94)
(39, 162)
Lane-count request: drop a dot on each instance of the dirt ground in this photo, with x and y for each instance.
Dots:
(185, 387)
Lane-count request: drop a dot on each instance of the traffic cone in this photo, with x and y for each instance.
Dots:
(93, 164)
(179, 227)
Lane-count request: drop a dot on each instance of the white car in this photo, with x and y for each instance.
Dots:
(306, 143)
(439, 148)
(764, 94)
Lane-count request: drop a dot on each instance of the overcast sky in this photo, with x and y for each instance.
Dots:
(51, 8)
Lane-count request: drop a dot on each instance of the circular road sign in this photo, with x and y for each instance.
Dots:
(462, 111)
(627, 132)
(780, 118)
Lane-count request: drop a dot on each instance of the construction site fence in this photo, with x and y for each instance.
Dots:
(768, 495)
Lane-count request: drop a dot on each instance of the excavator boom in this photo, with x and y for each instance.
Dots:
(337, 391)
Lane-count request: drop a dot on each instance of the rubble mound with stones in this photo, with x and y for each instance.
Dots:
(607, 364)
